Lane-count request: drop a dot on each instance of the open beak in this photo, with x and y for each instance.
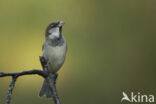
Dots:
(61, 23)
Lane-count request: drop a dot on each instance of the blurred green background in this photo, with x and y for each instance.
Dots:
(111, 48)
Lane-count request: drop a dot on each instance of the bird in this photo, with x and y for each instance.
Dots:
(54, 52)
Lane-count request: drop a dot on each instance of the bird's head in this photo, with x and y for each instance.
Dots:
(54, 30)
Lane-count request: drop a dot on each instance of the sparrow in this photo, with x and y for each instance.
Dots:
(54, 51)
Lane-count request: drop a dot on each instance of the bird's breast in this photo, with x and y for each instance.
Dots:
(55, 55)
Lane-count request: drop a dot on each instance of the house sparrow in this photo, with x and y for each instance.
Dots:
(54, 51)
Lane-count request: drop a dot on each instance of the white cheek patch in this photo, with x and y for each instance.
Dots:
(54, 32)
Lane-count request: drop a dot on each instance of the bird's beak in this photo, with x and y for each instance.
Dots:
(61, 23)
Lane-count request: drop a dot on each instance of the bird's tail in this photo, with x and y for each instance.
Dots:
(45, 90)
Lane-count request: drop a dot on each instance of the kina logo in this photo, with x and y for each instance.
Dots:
(137, 97)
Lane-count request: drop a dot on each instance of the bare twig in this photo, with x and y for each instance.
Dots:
(17, 74)
(53, 88)
(11, 87)
(43, 73)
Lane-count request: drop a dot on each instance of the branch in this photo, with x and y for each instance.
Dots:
(52, 85)
(11, 87)
(43, 74)
(39, 72)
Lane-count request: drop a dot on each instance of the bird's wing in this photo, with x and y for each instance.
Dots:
(43, 46)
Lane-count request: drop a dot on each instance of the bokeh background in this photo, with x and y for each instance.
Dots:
(111, 48)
